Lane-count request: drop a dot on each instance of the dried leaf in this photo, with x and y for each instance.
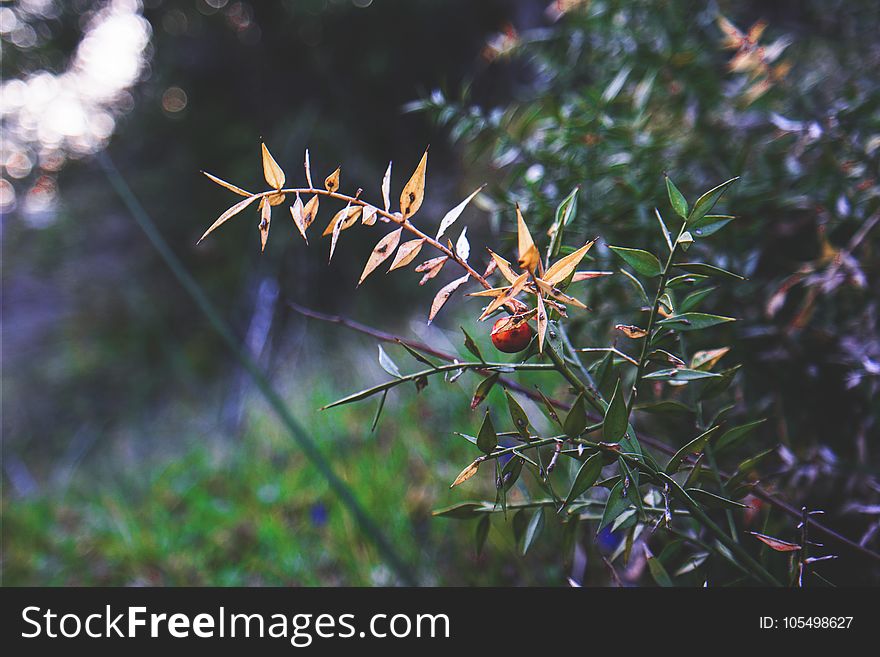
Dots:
(271, 171)
(433, 271)
(337, 228)
(776, 544)
(542, 323)
(512, 291)
(308, 167)
(427, 265)
(444, 294)
(558, 294)
(276, 199)
(386, 188)
(381, 251)
(331, 182)
(229, 186)
(561, 269)
(350, 213)
(414, 191)
(587, 275)
(633, 332)
(528, 252)
(455, 212)
(368, 217)
(231, 212)
(296, 211)
(466, 474)
(462, 246)
(265, 220)
(705, 360)
(503, 266)
(491, 292)
(310, 211)
(406, 253)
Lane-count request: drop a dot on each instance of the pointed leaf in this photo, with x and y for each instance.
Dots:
(733, 437)
(231, 212)
(708, 270)
(518, 415)
(310, 211)
(528, 252)
(693, 300)
(466, 474)
(710, 224)
(576, 420)
(381, 252)
(229, 186)
(619, 500)
(331, 182)
(368, 216)
(676, 198)
(444, 294)
(406, 253)
(695, 446)
(705, 360)
(307, 165)
(536, 524)
(775, 543)
(643, 262)
(462, 246)
(461, 511)
(614, 424)
(487, 439)
(586, 476)
(271, 171)
(708, 200)
(483, 389)
(436, 264)
(679, 374)
(693, 321)
(451, 216)
(482, 532)
(511, 293)
(541, 320)
(387, 364)
(632, 332)
(713, 501)
(470, 345)
(414, 191)
(663, 229)
(658, 572)
(265, 221)
(386, 188)
(296, 211)
(564, 267)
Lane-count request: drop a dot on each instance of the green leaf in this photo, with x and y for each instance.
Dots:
(658, 572)
(686, 239)
(695, 446)
(617, 503)
(482, 532)
(663, 229)
(694, 299)
(536, 524)
(693, 321)
(483, 389)
(685, 279)
(715, 387)
(379, 411)
(387, 364)
(733, 437)
(576, 420)
(708, 270)
(708, 200)
(471, 346)
(714, 501)
(663, 407)
(551, 411)
(586, 476)
(710, 224)
(415, 354)
(637, 284)
(511, 472)
(744, 468)
(518, 415)
(676, 198)
(565, 212)
(487, 439)
(643, 262)
(614, 424)
(680, 374)
(461, 511)
(518, 525)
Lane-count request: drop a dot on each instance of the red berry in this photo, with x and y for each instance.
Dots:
(511, 335)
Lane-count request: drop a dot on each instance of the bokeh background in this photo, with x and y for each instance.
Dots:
(135, 448)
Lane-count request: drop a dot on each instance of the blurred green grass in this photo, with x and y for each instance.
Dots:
(254, 511)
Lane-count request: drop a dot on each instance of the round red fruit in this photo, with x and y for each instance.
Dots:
(510, 335)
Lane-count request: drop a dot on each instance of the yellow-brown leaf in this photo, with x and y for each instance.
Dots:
(231, 212)
(541, 319)
(503, 266)
(587, 275)
(271, 171)
(352, 212)
(466, 474)
(414, 191)
(632, 332)
(307, 164)
(265, 220)
(561, 269)
(515, 288)
(386, 188)
(381, 251)
(296, 211)
(406, 253)
(705, 360)
(331, 182)
(310, 211)
(529, 258)
(368, 217)
(227, 185)
(443, 295)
